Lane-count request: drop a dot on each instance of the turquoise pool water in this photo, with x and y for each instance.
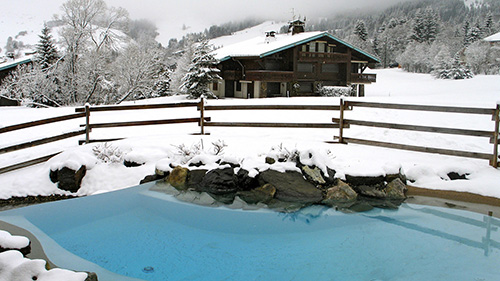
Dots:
(150, 236)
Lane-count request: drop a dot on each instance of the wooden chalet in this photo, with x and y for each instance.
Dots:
(292, 64)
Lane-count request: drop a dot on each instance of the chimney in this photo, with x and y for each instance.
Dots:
(297, 26)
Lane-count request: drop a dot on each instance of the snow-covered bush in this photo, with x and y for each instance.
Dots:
(334, 91)
(188, 153)
(483, 58)
(108, 153)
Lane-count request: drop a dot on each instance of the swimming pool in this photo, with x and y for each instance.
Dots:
(148, 235)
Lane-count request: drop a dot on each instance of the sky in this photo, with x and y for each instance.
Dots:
(170, 16)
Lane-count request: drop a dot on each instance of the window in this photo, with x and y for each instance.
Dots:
(330, 68)
(305, 87)
(321, 47)
(238, 86)
(312, 47)
(215, 86)
(305, 67)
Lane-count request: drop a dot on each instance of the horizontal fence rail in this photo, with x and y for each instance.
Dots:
(41, 122)
(492, 135)
(41, 141)
(138, 106)
(434, 108)
(272, 107)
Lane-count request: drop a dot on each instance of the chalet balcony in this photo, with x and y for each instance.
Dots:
(326, 57)
(259, 75)
(363, 78)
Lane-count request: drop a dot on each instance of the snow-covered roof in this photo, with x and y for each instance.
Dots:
(493, 38)
(260, 47)
(13, 63)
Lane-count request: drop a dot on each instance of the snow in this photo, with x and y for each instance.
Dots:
(8, 241)
(258, 46)
(245, 34)
(13, 266)
(493, 38)
(158, 146)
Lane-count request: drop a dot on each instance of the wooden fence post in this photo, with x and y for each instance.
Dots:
(341, 121)
(494, 160)
(87, 123)
(202, 115)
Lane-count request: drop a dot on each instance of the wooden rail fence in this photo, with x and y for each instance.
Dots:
(340, 123)
(492, 135)
(37, 141)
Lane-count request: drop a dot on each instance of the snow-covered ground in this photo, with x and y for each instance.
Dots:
(151, 144)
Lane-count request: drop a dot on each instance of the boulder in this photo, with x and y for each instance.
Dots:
(245, 182)
(68, 179)
(401, 175)
(313, 175)
(330, 178)
(262, 194)
(291, 187)
(364, 180)
(456, 176)
(177, 177)
(376, 191)
(150, 178)
(340, 193)
(195, 178)
(219, 182)
(270, 160)
(396, 190)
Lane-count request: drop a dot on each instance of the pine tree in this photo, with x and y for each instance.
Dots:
(202, 71)
(488, 24)
(46, 50)
(360, 30)
(466, 31)
(425, 28)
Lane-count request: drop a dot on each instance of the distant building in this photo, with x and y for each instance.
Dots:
(293, 64)
(10, 65)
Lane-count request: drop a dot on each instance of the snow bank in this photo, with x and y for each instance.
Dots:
(8, 241)
(13, 266)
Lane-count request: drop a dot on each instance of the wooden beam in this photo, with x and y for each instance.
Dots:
(273, 125)
(272, 107)
(145, 123)
(448, 109)
(41, 141)
(41, 122)
(466, 154)
(139, 106)
(27, 163)
(452, 131)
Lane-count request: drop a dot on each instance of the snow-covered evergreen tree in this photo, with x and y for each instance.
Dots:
(425, 27)
(360, 30)
(46, 50)
(442, 63)
(454, 70)
(202, 71)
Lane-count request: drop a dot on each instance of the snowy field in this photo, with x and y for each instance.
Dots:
(151, 144)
